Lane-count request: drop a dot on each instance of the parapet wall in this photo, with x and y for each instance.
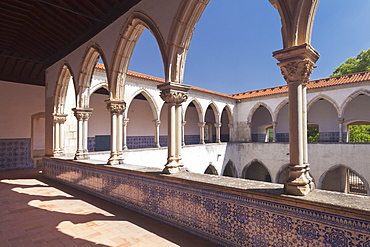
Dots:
(224, 211)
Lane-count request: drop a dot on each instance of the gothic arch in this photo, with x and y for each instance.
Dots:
(129, 35)
(283, 174)
(229, 170)
(181, 33)
(89, 60)
(253, 110)
(325, 97)
(216, 112)
(229, 113)
(325, 174)
(97, 86)
(211, 170)
(64, 77)
(267, 174)
(350, 98)
(150, 100)
(198, 107)
(278, 108)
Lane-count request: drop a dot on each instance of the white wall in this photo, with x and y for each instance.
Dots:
(99, 121)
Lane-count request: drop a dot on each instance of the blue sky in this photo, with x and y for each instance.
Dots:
(232, 45)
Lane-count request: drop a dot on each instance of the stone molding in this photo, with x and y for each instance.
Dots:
(174, 92)
(82, 114)
(116, 107)
(59, 118)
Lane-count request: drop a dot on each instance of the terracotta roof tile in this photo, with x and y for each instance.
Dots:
(326, 82)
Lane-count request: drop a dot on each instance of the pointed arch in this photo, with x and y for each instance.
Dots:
(65, 75)
(92, 53)
(325, 97)
(150, 100)
(215, 111)
(228, 110)
(283, 174)
(229, 170)
(336, 168)
(129, 35)
(350, 98)
(278, 108)
(181, 33)
(211, 170)
(259, 170)
(198, 107)
(255, 107)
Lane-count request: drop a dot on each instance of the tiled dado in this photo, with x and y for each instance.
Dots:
(222, 218)
(15, 154)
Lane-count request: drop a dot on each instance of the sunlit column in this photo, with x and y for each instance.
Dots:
(174, 94)
(82, 115)
(231, 136)
(157, 123)
(124, 136)
(297, 63)
(116, 109)
(183, 133)
(201, 130)
(218, 132)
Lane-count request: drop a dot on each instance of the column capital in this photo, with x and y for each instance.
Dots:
(250, 124)
(82, 113)
(217, 125)
(274, 123)
(174, 92)
(297, 63)
(341, 120)
(156, 122)
(230, 126)
(116, 107)
(59, 118)
(201, 124)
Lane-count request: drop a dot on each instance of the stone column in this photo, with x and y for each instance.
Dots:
(340, 121)
(183, 133)
(218, 132)
(124, 131)
(116, 109)
(82, 115)
(231, 137)
(58, 121)
(274, 123)
(157, 123)
(174, 94)
(201, 130)
(249, 137)
(297, 63)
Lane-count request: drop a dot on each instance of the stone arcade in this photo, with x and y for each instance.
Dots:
(117, 151)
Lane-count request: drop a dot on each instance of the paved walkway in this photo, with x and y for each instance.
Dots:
(35, 211)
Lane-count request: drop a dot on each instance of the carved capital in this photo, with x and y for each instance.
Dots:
(341, 120)
(274, 123)
(217, 125)
(297, 71)
(201, 125)
(59, 119)
(82, 114)
(174, 92)
(116, 107)
(156, 122)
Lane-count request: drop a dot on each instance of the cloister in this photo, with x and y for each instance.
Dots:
(166, 149)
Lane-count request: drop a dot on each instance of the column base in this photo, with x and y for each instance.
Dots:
(297, 190)
(59, 153)
(81, 155)
(299, 183)
(115, 159)
(174, 166)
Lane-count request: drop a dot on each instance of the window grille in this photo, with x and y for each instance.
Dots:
(356, 186)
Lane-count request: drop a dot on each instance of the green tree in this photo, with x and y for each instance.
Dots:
(359, 133)
(356, 64)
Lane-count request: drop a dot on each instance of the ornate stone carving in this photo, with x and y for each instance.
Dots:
(59, 119)
(82, 114)
(298, 71)
(116, 107)
(172, 96)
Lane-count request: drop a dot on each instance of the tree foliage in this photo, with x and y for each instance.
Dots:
(359, 133)
(356, 64)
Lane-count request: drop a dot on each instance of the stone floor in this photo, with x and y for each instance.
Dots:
(35, 211)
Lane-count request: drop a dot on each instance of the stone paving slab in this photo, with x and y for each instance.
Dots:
(35, 211)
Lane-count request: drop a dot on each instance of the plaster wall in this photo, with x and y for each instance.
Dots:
(18, 103)
(141, 118)
(324, 114)
(99, 121)
(358, 109)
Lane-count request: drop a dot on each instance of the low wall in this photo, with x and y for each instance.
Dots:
(225, 211)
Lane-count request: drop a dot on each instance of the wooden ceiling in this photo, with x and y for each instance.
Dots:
(37, 33)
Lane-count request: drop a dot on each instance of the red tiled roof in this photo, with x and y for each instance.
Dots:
(326, 82)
